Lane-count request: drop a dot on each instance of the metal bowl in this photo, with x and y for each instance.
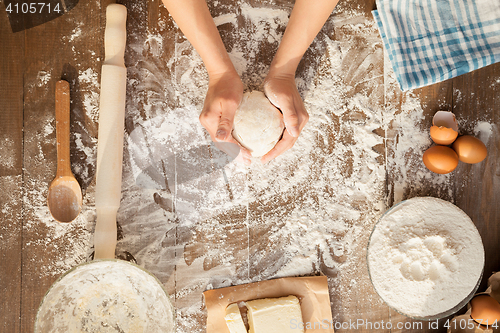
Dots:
(106, 296)
(429, 317)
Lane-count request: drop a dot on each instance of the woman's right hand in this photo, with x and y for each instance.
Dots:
(225, 91)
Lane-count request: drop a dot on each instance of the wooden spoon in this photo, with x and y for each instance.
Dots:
(65, 195)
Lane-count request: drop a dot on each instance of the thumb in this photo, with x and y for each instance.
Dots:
(291, 119)
(225, 125)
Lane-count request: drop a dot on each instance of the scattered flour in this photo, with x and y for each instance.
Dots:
(483, 131)
(43, 78)
(407, 138)
(89, 83)
(230, 225)
(77, 32)
(8, 153)
(262, 208)
(425, 257)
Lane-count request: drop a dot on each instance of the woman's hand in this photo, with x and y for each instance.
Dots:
(225, 91)
(304, 24)
(281, 90)
(225, 88)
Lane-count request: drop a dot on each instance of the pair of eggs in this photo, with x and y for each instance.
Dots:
(466, 148)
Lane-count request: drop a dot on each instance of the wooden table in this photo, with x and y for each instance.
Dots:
(35, 250)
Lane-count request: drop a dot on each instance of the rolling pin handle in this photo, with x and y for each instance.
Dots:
(115, 35)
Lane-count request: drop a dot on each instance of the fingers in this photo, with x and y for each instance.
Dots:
(289, 102)
(283, 145)
(284, 95)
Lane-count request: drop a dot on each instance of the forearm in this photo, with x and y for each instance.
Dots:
(306, 20)
(195, 21)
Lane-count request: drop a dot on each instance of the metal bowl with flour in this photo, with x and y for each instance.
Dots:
(106, 296)
(425, 258)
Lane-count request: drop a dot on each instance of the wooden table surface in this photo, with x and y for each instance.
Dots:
(35, 250)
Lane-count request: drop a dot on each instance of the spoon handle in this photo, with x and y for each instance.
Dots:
(62, 128)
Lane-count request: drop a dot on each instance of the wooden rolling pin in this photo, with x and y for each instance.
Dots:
(110, 134)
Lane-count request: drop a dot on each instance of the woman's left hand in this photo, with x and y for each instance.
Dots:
(282, 92)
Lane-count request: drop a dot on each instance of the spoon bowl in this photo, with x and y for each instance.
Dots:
(65, 195)
(65, 198)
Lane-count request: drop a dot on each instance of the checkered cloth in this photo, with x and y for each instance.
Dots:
(429, 41)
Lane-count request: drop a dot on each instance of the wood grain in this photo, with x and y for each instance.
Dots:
(477, 186)
(11, 179)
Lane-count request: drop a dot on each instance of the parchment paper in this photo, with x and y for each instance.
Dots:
(311, 291)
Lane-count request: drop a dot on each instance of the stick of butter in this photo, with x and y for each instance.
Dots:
(273, 315)
(233, 319)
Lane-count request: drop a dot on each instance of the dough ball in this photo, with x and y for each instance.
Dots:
(258, 125)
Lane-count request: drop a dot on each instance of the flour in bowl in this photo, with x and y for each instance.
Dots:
(425, 257)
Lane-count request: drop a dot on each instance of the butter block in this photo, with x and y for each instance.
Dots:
(233, 319)
(273, 315)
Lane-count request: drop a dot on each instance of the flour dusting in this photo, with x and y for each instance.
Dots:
(90, 86)
(43, 78)
(308, 211)
(483, 131)
(299, 232)
(8, 153)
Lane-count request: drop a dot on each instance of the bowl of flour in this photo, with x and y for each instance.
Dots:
(425, 258)
(106, 296)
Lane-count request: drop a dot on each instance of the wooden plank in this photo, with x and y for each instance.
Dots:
(472, 98)
(68, 47)
(404, 176)
(361, 304)
(477, 186)
(151, 39)
(212, 245)
(431, 99)
(11, 182)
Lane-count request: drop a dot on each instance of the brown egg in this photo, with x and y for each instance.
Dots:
(470, 149)
(440, 159)
(485, 310)
(445, 128)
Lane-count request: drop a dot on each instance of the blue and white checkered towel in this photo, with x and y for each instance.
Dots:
(429, 41)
